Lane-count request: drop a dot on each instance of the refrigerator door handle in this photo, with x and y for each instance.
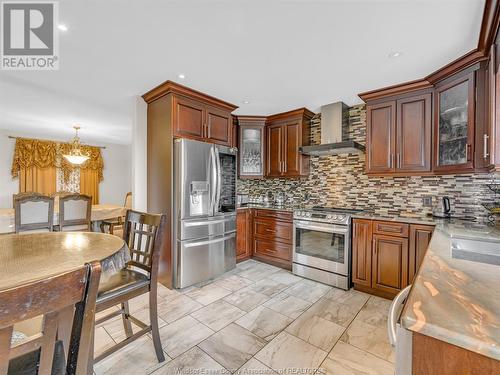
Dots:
(219, 180)
(213, 180)
(210, 242)
(208, 222)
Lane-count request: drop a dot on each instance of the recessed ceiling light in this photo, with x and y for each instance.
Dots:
(246, 102)
(181, 76)
(395, 54)
(62, 27)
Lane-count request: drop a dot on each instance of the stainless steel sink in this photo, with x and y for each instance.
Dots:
(476, 250)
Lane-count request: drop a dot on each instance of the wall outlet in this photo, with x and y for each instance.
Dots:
(427, 201)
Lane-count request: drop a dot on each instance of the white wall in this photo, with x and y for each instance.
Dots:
(117, 171)
(117, 174)
(8, 186)
(139, 155)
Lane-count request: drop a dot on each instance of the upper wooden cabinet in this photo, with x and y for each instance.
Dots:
(195, 115)
(251, 146)
(285, 134)
(491, 135)
(380, 137)
(414, 134)
(454, 124)
(219, 126)
(398, 135)
(189, 117)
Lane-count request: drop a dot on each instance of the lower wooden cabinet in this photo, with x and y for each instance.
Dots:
(420, 236)
(389, 263)
(243, 234)
(266, 235)
(386, 255)
(362, 252)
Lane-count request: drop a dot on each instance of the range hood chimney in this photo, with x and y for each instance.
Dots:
(334, 128)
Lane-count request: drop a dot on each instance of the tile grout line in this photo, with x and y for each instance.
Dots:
(355, 345)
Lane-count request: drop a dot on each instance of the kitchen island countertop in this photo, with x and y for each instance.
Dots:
(456, 300)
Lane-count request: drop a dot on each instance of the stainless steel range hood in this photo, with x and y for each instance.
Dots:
(334, 129)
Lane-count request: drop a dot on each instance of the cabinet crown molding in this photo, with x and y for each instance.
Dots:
(300, 112)
(251, 120)
(168, 87)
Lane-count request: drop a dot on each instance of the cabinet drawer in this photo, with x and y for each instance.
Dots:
(390, 228)
(272, 249)
(281, 215)
(273, 229)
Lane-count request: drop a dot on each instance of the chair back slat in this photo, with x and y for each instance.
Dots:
(75, 212)
(66, 300)
(33, 212)
(141, 235)
(48, 341)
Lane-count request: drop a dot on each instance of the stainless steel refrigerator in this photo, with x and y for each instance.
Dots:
(204, 240)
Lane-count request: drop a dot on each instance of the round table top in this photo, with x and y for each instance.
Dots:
(28, 257)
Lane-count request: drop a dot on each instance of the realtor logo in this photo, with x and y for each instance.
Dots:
(29, 36)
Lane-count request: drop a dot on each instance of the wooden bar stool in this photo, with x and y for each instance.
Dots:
(145, 235)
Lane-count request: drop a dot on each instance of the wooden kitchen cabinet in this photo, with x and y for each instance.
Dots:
(285, 134)
(219, 126)
(275, 150)
(380, 137)
(251, 146)
(194, 115)
(389, 263)
(189, 118)
(243, 234)
(398, 135)
(454, 124)
(273, 237)
(420, 236)
(196, 120)
(386, 254)
(414, 134)
(362, 252)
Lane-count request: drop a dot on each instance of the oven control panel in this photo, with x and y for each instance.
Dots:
(323, 217)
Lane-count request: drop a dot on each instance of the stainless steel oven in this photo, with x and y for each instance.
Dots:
(322, 246)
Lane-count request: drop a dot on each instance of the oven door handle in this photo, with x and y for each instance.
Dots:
(322, 228)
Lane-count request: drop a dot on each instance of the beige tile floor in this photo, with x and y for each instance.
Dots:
(254, 320)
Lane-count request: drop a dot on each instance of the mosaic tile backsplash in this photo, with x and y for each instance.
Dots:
(340, 181)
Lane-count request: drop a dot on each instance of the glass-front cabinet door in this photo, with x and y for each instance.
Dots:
(454, 125)
(251, 148)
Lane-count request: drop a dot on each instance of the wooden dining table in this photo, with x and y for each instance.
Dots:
(26, 258)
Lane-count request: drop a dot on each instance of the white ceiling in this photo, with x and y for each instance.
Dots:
(278, 55)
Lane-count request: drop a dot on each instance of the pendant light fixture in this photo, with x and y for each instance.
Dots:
(75, 155)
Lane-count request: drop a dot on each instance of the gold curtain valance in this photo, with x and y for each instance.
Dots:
(42, 154)
(33, 153)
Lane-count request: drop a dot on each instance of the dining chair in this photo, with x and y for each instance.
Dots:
(75, 212)
(33, 213)
(115, 224)
(23, 194)
(145, 235)
(66, 302)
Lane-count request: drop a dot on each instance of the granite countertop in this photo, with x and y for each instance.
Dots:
(286, 207)
(457, 300)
